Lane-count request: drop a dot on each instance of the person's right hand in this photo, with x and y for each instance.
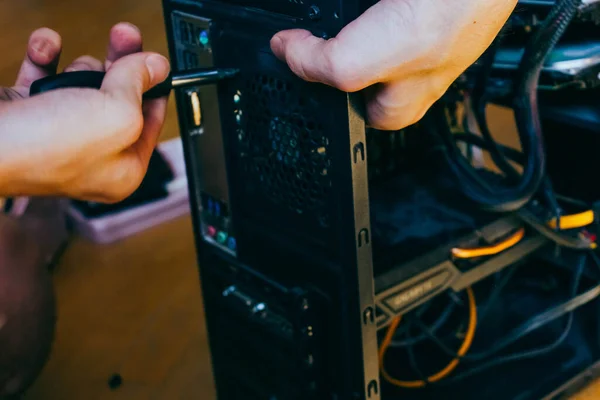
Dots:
(406, 53)
(82, 143)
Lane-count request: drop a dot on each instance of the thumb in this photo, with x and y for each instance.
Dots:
(131, 76)
(311, 58)
(339, 62)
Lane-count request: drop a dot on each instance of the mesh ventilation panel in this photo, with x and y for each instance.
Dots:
(284, 151)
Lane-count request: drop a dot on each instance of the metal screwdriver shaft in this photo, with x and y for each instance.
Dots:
(94, 79)
(191, 78)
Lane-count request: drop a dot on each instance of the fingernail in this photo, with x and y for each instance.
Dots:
(41, 46)
(75, 68)
(277, 46)
(127, 25)
(158, 67)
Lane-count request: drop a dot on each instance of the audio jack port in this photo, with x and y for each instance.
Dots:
(232, 244)
(221, 237)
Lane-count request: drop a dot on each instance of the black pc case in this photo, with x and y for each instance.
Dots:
(304, 255)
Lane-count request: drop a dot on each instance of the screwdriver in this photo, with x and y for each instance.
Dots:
(94, 79)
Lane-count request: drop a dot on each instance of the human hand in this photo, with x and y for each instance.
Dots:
(82, 143)
(406, 53)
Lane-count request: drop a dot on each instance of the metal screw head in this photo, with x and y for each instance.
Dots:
(314, 12)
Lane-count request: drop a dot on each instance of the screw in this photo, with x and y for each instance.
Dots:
(314, 13)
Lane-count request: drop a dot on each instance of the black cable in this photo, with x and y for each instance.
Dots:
(515, 357)
(574, 202)
(469, 177)
(411, 341)
(442, 319)
(403, 331)
(560, 239)
(412, 359)
(524, 329)
(552, 201)
(517, 157)
(493, 297)
(529, 218)
(595, 259)
(480, 102)
(527, 117)
(540, 351)
(514, 154)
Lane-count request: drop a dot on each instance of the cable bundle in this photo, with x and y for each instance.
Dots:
(515, 194)
(517, 190)
(527, 185)
(489, 358)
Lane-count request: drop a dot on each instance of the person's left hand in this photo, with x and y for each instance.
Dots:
(80, 143)
(44, 51)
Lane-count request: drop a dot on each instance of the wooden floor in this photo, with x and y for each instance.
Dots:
(132, 308)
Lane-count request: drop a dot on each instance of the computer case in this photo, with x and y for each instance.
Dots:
(305, 259)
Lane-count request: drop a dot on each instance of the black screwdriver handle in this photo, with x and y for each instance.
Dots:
(90, 80)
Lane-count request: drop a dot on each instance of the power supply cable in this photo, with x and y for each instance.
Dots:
(562, 240)
(412, 359)
(517, 157)
(541, 351)
(442, 319)
(475, 140)
(550, 197)
(479, 106)
(566, 222)
(527, 118)
(534, 353)
(464, 348)
(525, 328)
(495, 294)
(402, 339)
(572, 201)
(573, 221)
(491, 250)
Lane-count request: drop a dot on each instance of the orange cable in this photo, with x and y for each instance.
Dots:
(574, 221)
(464, 348)
(490, 250)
